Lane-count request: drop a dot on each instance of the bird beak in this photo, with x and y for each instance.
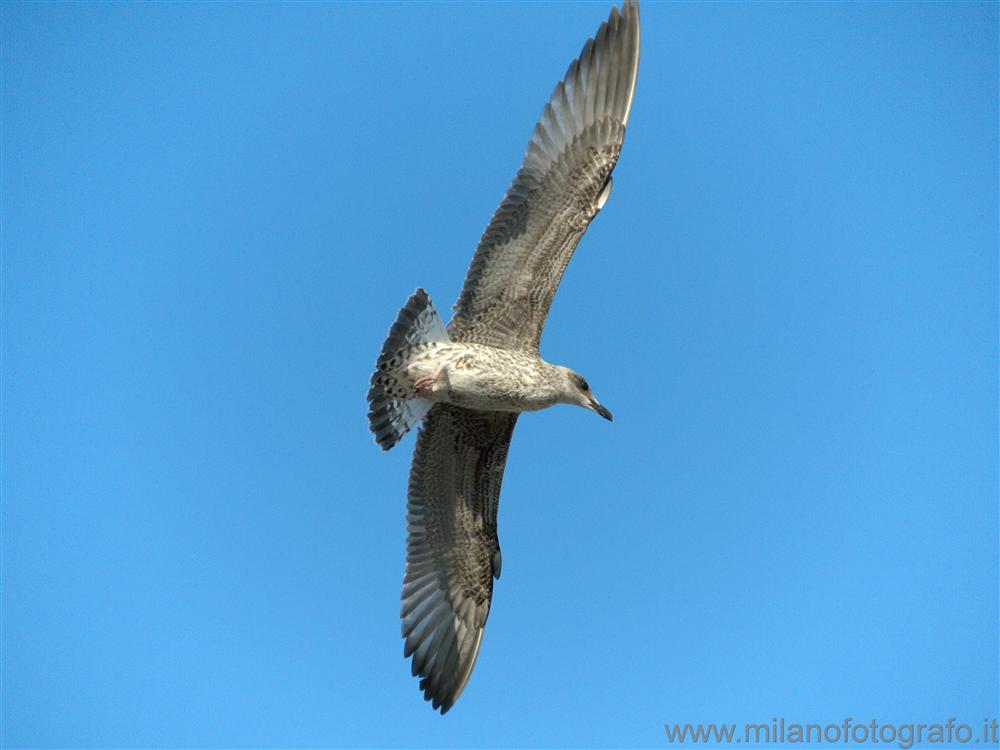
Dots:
(600, 410)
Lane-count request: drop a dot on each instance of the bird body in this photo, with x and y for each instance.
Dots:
(474, 376)
(467, 382)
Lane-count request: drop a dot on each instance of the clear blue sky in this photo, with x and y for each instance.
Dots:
(211, 215)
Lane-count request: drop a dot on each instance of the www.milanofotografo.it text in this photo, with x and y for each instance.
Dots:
(780, 731)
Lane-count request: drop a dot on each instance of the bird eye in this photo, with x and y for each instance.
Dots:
(583, 385)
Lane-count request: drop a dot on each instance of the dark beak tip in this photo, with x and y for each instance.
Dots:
(604, 413)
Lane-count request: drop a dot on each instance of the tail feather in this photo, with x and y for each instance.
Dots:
(391, 418)
(418, 322)
(393, 412)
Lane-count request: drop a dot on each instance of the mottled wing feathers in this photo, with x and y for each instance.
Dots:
(562, 184)
(452, 551)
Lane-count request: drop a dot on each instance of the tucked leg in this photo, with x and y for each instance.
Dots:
(425, 385)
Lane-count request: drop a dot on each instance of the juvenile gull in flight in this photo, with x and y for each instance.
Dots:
(469, 381)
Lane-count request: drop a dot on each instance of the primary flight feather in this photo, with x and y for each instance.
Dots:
(469, 381)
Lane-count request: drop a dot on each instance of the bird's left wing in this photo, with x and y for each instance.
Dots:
(452, 551)
(562, 184)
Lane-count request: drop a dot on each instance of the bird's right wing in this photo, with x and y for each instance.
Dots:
(452, 551)
(562, 184)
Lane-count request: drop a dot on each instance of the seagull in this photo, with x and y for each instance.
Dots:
(468, 381)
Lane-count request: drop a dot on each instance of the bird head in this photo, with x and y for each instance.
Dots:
(576, 390)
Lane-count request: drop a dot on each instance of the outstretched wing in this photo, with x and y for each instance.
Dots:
(562, 184)
(452, 551)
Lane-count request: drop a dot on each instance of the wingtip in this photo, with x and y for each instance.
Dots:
(630, 14)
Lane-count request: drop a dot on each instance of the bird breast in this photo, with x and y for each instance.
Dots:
(483, 377)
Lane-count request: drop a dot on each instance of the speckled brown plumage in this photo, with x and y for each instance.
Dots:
(473, 380)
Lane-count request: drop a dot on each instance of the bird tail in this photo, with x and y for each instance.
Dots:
(392, 411)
